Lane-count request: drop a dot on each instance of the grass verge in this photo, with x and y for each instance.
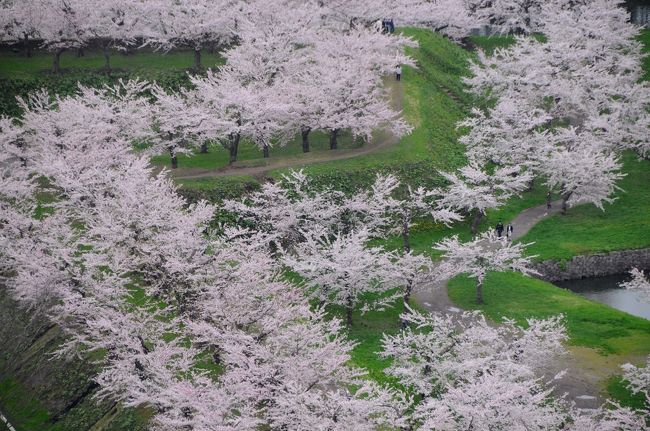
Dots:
(585, 229)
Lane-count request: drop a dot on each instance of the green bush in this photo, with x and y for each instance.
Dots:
(64, 85)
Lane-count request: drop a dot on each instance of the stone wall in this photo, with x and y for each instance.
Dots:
(594, 265)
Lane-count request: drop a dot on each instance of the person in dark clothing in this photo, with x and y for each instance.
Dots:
(548, 200)
(499, 229)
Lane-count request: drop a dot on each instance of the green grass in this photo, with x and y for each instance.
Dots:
(589, 324)
(14, 65)
(367, 331)
(585, 229)
(26, 413)
(251, 155)
(618, 391)
(490, 43)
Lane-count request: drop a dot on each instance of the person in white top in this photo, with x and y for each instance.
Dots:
(398, 72)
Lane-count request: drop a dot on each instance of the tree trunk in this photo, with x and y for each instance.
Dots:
(406, 236)
(172, 153)
(80, 52)
(56, 64)
(348, 312)
(197, 59)
(204, 147)
(265, 151)
(27, 47)
(476, 221)
(334, 133)
(531, 185)
(305, 139)
(565, 200)
(234, 145)
(408, 291)
(479, 292)
(107, 58)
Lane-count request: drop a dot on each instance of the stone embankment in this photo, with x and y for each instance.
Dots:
(594, 265)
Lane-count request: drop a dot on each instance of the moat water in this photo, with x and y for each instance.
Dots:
(606, 290)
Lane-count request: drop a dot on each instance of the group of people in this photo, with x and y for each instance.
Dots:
(509, 230)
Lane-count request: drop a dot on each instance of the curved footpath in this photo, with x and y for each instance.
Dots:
(581, 385)
(383, 139)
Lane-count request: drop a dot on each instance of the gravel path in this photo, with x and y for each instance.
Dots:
(581, 384)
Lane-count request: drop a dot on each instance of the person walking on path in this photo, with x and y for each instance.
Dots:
(509, 231)
(398, 72)
(499, 228)
(548, 200)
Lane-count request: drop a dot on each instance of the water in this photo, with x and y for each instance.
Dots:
(606, 290)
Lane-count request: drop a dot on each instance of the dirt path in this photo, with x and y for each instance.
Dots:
(583, 380)
(380, 140)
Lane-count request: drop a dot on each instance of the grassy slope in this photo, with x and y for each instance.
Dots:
(620, 336)
(590, 324)
(14, 65)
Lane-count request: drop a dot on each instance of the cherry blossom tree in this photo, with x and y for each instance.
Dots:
(350, 83)
(283, 210)
(194, 23)
(474, 189)
(583, 176)
(67, 25)
(116, 24)
(638, 282)
(384, 210)
(638, 379)
(343, 271)
(477, 257)
(21, 22)
(470, 372)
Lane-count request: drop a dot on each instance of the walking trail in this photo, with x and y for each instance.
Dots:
(583, 380)
(381, 139)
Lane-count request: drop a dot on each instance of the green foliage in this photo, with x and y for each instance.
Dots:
(21, 76)
(589, 323)
(586, 229)
(213, 189)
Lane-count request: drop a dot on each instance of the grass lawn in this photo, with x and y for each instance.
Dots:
(15, 65)
(585, 229)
